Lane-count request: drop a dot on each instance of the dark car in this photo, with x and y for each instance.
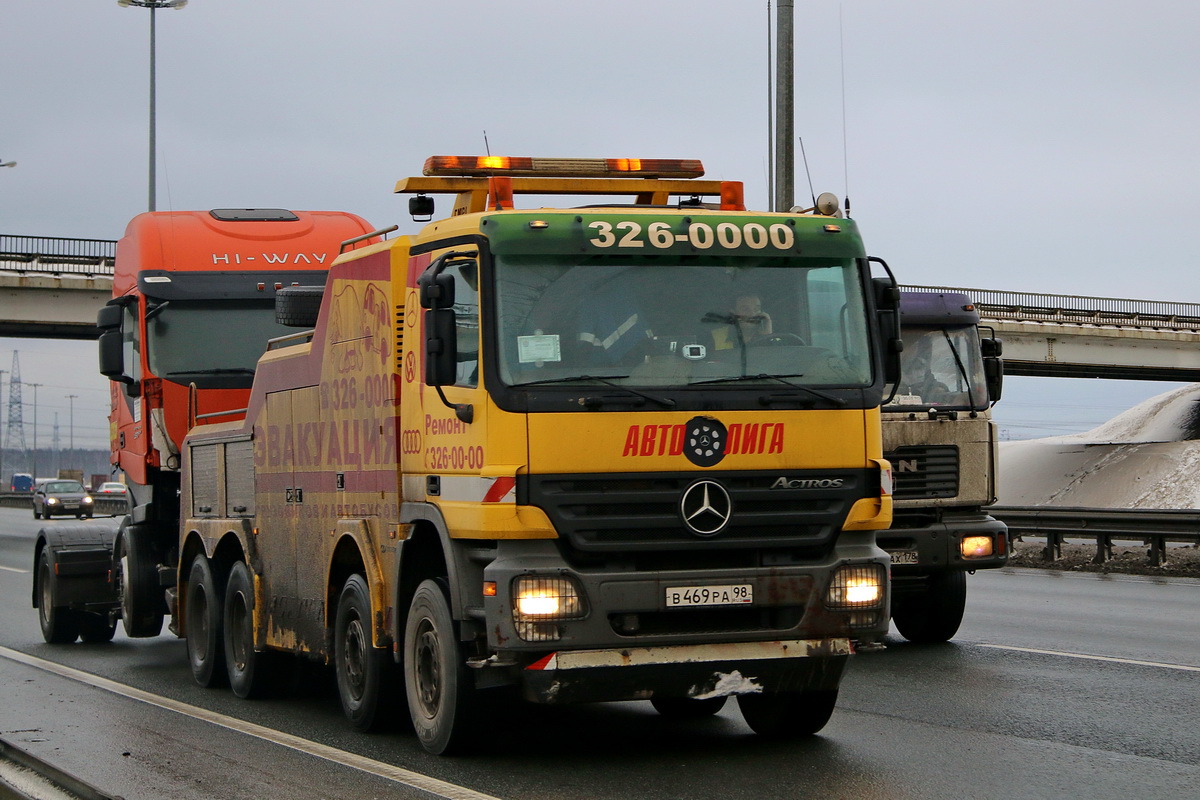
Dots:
(61, 497)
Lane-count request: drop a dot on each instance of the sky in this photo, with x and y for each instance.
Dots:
(1022, 145)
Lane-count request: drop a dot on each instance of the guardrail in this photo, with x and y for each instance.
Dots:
(1154, 527)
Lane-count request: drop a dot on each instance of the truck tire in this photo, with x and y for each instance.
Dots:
(687, 707)
(788, 715)
(97, 628)
(204, 619)
(364, 674)
(136, 574)
(935, 614)
(60, 625)
(298, 306)
(250, 672)
(439, 688)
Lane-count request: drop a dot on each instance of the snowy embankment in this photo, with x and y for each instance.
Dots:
(1147, 457)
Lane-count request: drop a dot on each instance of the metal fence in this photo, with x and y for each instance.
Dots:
(1077, 309)
(1154, 527)
(57, 255)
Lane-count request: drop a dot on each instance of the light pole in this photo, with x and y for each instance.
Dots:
(153, 5)
(71, 424)
(35, 388)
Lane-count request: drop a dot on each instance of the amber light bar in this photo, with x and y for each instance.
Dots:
(564, 167)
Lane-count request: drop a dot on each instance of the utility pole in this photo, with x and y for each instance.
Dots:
(35, 452)
(785, 122)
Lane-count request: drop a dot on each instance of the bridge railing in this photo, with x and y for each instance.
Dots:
(57, 255)
(1077, 309)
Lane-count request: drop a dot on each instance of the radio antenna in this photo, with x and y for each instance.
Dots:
(845, 148)
(487, 148)
(804, 155)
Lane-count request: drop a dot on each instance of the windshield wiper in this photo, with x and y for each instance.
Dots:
(568, 379)
(763, 376)
(665, 402)
(226, 371)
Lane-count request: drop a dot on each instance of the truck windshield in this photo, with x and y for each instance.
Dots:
(941, 367)
(212, 343)
(681, 320)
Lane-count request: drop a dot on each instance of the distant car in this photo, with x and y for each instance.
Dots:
(111, 489)
(61, 497)
(22, 482)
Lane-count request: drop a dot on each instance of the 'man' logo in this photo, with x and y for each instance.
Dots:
(907, 465)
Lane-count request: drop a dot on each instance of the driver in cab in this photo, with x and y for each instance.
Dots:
(747, 323)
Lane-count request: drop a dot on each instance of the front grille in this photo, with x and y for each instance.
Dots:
(634, 512)
(922, 472)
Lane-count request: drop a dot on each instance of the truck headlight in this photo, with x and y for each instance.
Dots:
(540, 602)
(857, 586)
(976, 546)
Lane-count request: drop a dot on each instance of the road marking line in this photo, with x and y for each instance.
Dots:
(13, 569)
(415, 780)
(1112, 659)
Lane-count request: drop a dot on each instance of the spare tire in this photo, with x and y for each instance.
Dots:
(298, 306)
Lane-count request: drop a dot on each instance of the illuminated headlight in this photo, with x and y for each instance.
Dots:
(976, 546)
(51, 501)
(539, 602)
(86, 501)
(859, 586)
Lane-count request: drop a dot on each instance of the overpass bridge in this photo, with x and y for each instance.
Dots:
(52, 288)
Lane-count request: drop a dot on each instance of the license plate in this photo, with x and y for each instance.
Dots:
(904, 557)
(727, 595)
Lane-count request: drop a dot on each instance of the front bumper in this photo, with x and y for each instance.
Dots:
(698, 671)
(937, 547)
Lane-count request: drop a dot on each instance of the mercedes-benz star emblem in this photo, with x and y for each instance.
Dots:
(706, 508)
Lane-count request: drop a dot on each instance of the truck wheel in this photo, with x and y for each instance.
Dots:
(438, 684)
(687, 707)
(60, 625)
(249, 672)
(298, 306)
(788, 715)
(136, 575)
(935, 614)
(204, 616)
(364, 677)
(97, 628)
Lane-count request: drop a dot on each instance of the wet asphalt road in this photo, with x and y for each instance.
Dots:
(1058, 685)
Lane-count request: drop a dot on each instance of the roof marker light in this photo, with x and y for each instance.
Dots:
(564, 167)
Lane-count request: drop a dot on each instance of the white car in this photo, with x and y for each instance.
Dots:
(110, 489)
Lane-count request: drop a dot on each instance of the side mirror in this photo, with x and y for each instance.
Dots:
(437, 290)
(991, 348)
(993, 371)
(441, 347)
(112, 361)
(109, 317)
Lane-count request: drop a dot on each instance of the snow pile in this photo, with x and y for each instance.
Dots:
(1170, 417)
(1146, 457)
